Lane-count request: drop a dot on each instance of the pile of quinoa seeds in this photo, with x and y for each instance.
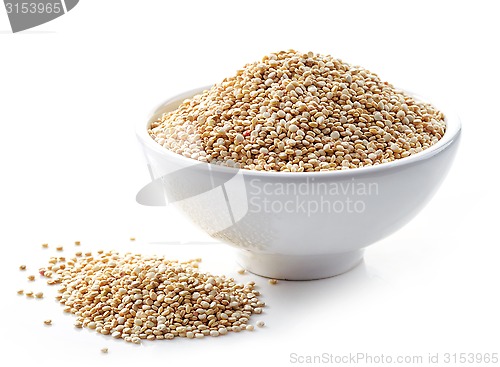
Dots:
(298, 112)
(135, 297)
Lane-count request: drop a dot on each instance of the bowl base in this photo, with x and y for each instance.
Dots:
(298, 267)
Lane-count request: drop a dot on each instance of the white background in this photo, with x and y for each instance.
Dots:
(72, 90)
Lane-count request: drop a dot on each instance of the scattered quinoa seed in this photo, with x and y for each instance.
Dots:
(20, 292)
(39, 295)
(59, 248)
(104, 350)
(45, 245)
(241, 271)
(132, 238)
(273, 281)
(31, 278)
(77, 243)
(22, 267)
(135, 297)
(261, 323)
(48, 322)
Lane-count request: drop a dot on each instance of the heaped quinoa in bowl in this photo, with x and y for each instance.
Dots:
(300, 112)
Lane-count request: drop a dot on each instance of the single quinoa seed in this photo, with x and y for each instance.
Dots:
(77, 243)
(31, 278)
(48, 322)
(104, 350)
(296, 112)
(45, 245)
(132, 238)
(273, 281)
(59, 248)
(22, 267)
(261, 323)
(39, 295)
(20, 292)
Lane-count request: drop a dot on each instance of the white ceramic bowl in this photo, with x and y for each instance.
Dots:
(291, 225)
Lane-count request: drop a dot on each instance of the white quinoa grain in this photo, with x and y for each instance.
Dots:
(239, 138)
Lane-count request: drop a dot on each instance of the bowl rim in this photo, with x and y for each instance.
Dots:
(452, 132)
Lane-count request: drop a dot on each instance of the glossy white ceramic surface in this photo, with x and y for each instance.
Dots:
(297, 225)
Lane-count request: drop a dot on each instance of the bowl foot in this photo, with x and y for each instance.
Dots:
(298, 267)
